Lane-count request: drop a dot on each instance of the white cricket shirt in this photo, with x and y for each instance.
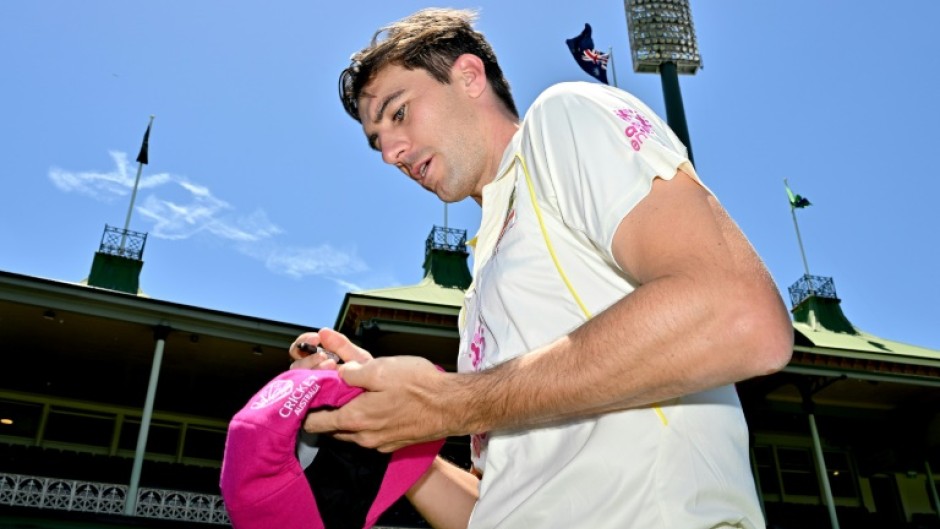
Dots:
(592, 152)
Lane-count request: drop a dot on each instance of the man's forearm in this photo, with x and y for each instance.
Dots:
(445, 495)
(668, 338)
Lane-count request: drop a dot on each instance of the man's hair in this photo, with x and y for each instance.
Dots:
(430, 39)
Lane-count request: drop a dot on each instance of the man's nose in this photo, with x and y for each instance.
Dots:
(393, 149)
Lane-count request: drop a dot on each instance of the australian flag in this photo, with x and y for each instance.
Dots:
(590, 60)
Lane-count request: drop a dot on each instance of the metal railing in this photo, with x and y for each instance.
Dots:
(123, 243)
(450, 239)
(19, 490)
(806, 286)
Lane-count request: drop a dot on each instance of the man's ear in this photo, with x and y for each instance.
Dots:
(469, 73)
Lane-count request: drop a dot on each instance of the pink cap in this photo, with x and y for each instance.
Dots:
(262, 482)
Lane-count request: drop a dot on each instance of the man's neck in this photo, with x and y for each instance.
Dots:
(499, 137)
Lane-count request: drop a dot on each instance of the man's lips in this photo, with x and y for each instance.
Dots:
(419, 171)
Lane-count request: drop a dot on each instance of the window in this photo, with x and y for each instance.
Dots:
(19, 419)
(788, 473)
(204, 443)
(766, 470)
(841, 477)
(162, 438)
(798, 472)
(79, 427)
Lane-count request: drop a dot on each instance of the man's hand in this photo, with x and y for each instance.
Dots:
(329, 340)
(402, 405)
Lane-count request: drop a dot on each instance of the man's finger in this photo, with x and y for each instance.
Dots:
(297, 352)
(342, 346)
(322, 421)
(354, 374)
(367, 440)
(314, 361)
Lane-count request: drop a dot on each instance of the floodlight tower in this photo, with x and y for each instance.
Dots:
(662, 39)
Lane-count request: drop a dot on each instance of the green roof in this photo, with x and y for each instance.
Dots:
(446, 275)
(862, 342)
(426, 292)
(441, 291)
(821, 321)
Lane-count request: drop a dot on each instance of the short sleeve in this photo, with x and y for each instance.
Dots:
(593, 152)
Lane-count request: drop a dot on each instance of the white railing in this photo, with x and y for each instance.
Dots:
(107, 498)
(18, 490)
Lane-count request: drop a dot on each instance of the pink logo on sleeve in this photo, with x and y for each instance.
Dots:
(638, 127)
(477, 347)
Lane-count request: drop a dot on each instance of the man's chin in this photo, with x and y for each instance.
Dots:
(439, 193)
(445, 198)
(448, 196)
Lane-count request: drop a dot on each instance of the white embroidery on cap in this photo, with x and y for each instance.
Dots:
(273, 392)
(299, 399)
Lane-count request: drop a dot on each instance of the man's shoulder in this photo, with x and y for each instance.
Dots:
(566, 90)
(568, 95)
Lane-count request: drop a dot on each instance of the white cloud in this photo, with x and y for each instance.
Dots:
(179, 208)
(297, 262)
(195, 211)
(104, 186)
(372, 281)
(346, 286)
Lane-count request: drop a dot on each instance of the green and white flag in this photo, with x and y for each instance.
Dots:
(796, 201)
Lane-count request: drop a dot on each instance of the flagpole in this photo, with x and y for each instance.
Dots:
(799, 239)
(140, 168)
(610, 54)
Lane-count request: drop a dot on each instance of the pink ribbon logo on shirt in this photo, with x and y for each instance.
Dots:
(477, 347)
(638, 128)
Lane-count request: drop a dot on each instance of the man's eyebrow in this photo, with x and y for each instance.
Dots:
(385, 102)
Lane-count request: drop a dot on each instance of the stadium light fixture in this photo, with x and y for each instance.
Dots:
(662, 39)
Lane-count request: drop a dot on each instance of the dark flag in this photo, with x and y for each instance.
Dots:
(796, 201)
(142, 157)
(590, 60)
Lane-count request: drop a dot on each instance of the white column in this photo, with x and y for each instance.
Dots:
(933, 487)
(823, 474)
(130, 504)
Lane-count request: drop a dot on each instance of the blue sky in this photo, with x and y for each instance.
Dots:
(261, 197)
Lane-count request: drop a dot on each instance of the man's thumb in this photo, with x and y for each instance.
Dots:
(352, 374)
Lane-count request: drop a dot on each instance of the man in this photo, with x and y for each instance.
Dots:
(614, 302)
